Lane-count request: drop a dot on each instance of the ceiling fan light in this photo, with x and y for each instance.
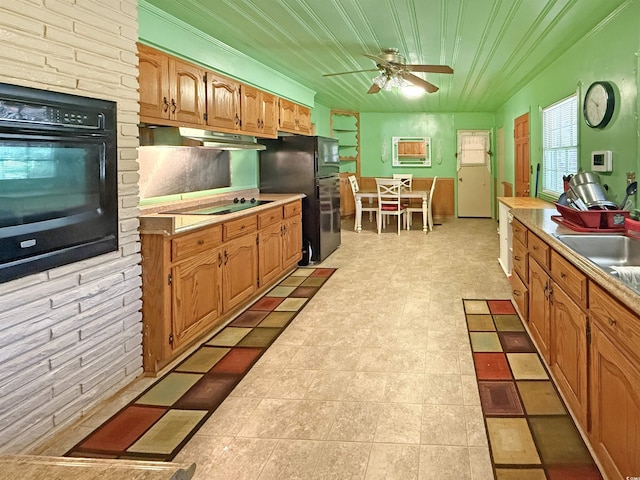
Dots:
(380, 80)
(412, 91)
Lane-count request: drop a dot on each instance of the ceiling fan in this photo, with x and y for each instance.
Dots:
(394, 72)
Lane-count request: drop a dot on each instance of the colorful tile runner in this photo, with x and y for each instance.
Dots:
(531, 434)
(160, 421)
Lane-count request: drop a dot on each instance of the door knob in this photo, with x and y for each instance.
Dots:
(459, 179)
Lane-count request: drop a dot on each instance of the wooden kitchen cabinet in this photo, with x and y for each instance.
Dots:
(259, 112)
(568, 361)
(280, 244)
(193, 282)
(223, 103)
(614, 386)
(196, 296)
(291, 241)
(540, 289)
(239, 271)
(294, 118)
(171, 90)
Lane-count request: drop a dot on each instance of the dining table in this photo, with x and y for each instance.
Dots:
(427, 219)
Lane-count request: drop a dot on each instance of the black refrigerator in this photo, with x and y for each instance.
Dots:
(309, 165)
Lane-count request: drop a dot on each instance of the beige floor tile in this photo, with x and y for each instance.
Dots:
(476, 432)
(292, 459)
(399, 423)
(393, 462)
(470, 393)
(480, 463)
(404, 388)
(355, 422)
(442, 389)
(438, 462)
(291, 383)
(229, 416)
(443, 362)
(342, 461)
(311, 420)
(240, 458)
(270, 419)
(338, 358)
(443, 425)
(367, 387)
(329, 385)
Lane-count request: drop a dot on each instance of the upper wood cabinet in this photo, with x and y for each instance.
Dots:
(223, 103)
(294, 118)
(175, 92)
(171, 90)
(259, 112)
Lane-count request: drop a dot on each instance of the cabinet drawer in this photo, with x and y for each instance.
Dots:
(520, 296)
(292, 209)
(239, 227)
(622, 325)
(269, 217)
(538, 250)
(570, 279)
(520, 261)
(197, 242)
(519, 232)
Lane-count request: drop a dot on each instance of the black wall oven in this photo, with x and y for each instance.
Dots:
(58, 179)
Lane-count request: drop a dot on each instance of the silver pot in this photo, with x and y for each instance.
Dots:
(584, 177)
(592, 194)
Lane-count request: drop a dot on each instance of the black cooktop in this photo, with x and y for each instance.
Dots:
(238, 205)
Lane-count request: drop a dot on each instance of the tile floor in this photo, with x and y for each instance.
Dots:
(373, 379)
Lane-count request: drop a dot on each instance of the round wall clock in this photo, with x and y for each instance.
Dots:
(599, 103)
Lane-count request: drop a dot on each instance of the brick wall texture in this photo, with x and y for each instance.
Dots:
(71, 337)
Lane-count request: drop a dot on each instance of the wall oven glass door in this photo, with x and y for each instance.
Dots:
(58, 180)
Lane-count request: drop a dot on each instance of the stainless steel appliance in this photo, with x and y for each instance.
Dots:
(309, 165)
(58, 179)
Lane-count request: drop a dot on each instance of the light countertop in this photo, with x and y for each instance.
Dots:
(156, 222)
(525, 202)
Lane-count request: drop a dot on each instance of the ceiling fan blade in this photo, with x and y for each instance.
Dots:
(354, 71)
(374, 89)
(429, 87)
(430, 68)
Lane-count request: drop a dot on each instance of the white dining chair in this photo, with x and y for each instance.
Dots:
(406, 179)
(389, 200)
(369, 208)
(411, 210)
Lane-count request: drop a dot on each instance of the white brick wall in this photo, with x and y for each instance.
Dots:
(71, 337)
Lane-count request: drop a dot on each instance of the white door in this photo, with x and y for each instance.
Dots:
(474, 174)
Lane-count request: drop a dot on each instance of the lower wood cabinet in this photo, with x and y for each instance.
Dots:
(196, 296)
(591, 343)
(568, 352)
(195, 281)
(540, 307)
(239, 271)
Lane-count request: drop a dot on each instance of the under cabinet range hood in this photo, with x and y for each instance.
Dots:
(194, 137)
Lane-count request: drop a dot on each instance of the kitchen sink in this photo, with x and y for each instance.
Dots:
(606, 251)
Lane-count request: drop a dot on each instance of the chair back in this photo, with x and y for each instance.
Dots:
(406, 179)
(433, 187)
(389, 193)
(354, 185)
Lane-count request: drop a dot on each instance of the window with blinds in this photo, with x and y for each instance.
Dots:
(559, 143)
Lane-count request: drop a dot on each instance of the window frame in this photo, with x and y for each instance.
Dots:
(565, 145)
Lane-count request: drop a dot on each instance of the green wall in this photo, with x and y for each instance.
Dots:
(320, 116)
(607, 53)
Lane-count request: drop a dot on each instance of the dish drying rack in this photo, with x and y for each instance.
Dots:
(599, 221)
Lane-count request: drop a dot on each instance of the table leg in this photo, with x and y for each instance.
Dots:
(425, 225)
(358, 221)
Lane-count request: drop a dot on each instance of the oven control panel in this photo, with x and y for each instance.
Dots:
(48, 115)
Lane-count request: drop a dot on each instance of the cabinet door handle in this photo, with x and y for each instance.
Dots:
(562, 275)
(226, 257)
(535, 247)
(174, 106)
(612, 321)
(516, 257)
(219, 259)
(165, 104)
(237, 119)
(200, 242)
(516, 293)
